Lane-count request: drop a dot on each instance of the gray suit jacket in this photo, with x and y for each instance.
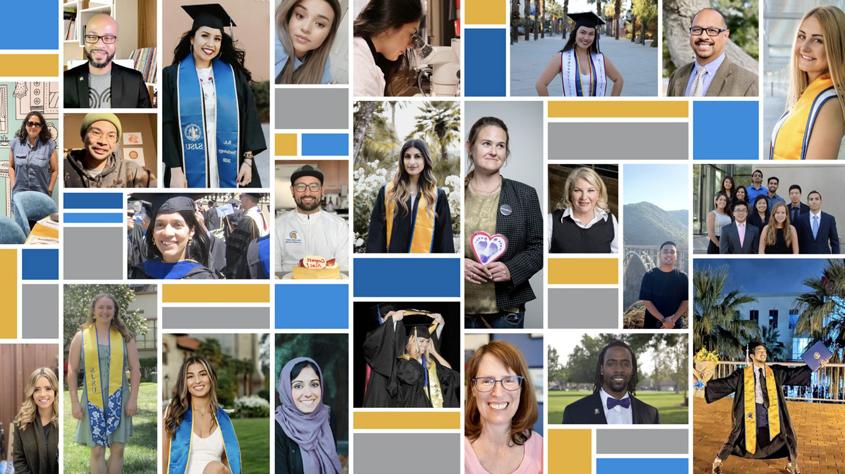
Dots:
(731, 80)
(729, 240)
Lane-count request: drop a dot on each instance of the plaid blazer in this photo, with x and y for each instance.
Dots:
(524, 229)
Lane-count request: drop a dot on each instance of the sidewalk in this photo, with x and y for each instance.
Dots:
(636, 63)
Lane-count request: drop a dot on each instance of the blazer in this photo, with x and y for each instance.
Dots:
(128, 90)
(729, 240)
(33, 453)
(802, 209)
(588, 411)
(523, 226)
(731, 80)
(827, 238)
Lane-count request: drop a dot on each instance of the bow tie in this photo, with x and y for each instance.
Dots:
(624, 403)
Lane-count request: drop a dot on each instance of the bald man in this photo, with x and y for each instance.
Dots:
(100, 83)
(712, 73)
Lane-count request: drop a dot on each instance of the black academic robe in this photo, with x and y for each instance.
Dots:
(400, 238)
(34, 453)
(413, 393)
(784, 444)
(251, 134)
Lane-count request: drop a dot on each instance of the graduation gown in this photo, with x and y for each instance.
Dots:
(400, 239)
(251, 134)
(785, 443)
(412, 392)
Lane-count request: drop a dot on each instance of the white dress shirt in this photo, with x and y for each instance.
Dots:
(301, 235)
(598, 215)
(619, 415)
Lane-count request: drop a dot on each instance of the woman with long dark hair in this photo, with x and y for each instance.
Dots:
(716, 220)
(305, 33)
(211, 125)
(102, 350)
(583, 68)
(411, 214)
(199, 437)
(177, 244)
(758, 215)
(382, 32)
(36, 437)
(33, 162)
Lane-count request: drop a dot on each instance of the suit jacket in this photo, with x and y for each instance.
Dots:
(33, 453)
(729, 240)
(731, 80)
(588, 411)
(803, 209)
(128, 90)
(827, 238)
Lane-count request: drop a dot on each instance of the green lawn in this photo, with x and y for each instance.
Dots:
(140, 453)
(669, 404)
(254, 439)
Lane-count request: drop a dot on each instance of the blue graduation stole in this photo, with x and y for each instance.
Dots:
(264, 254)
(192, 124)
(180, 444)
(160, 270)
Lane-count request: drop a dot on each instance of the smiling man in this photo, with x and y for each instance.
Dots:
(712, 73)
(613, 399)
(100, 83)
(97, 164)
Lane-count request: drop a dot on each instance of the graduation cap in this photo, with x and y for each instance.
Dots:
(588, 19)
(176, 204)
(417, 322)
(212, 15)
(817, 354)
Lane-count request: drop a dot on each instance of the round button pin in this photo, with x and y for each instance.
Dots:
(505, 209)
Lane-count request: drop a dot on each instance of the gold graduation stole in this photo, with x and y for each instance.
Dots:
(104, 409)
(422, 233)
(750, 409)
(436, 398)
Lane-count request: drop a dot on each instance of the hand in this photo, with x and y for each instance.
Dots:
(177, 178)
(438, 318)
(131, 407)
(76, 410)
(475, 272)
(396, 315)
(499, 271)
(245, 175)
(668, 323)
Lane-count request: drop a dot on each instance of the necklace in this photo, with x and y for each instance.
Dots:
(478, 190)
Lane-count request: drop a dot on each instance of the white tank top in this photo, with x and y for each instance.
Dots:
(204, 451)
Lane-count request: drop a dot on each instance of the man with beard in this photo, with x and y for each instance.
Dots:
(761, 425)
(712, 73)
(308, 230)
(100, 83)
(756, 187)
(663, 291)
(773, 182)
(613, 400)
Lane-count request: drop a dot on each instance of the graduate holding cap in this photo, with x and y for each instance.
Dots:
(583, 68)
(211, 126)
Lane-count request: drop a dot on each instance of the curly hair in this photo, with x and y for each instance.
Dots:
(599, 380)
(229, 54)
(181, 400)
(29, 411)
(44, 135)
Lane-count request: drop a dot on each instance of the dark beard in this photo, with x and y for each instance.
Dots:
(101, 65)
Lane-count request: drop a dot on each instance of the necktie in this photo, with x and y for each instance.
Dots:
(740, 228)
(815, 226)
(698, 84)
(795, 211)
(624, 403)
(763, 388)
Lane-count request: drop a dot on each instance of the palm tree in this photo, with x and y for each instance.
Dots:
(617, 10)
(440, 121)
(527, 16)
(775, 348)
(716, 315)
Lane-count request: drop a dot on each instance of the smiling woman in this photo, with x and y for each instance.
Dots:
(307, 28)
(583, 222)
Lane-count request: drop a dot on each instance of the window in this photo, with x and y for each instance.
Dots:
(773, 318)
(754, 315)
(793, 318)
(798, 345)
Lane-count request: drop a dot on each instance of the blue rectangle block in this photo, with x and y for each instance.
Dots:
(93, 218)
(642, 466)
(484, 61)
(312, 306)
(407, 277)
(30, 25)
(725, 130)
(325, 144)
(40, 264)
(93, 200)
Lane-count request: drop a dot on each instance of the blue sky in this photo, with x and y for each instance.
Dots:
(766, 276)
(666, 186)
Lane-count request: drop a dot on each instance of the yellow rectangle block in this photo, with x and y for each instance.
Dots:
(583, 271)
(618, 109)
(286, 144)
(485, 12)
(8, 293)
(216, 293)
(570, 451)
(416, 420)
(25, 65)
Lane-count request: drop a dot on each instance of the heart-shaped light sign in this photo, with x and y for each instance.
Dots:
(488, 248)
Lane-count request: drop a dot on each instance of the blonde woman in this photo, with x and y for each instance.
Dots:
(305, 28)
(103, 349)
(411, 215)
(583, 222)
(814, 122)
(36, 438)
(779, 235)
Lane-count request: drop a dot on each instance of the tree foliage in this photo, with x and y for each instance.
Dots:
(77, 308)
(717, 325)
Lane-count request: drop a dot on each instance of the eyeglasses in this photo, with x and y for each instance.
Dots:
(34, 124)
(697, 30)
(107, 39)
(98, 134)
(313, 187)
(487, 384)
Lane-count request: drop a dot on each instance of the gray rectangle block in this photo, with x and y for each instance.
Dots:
(391, 453)
(93, 253)
(303, 109)
(583, 308)
(40, 308)
(618, 141)
(215, 318)
(642, 441)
